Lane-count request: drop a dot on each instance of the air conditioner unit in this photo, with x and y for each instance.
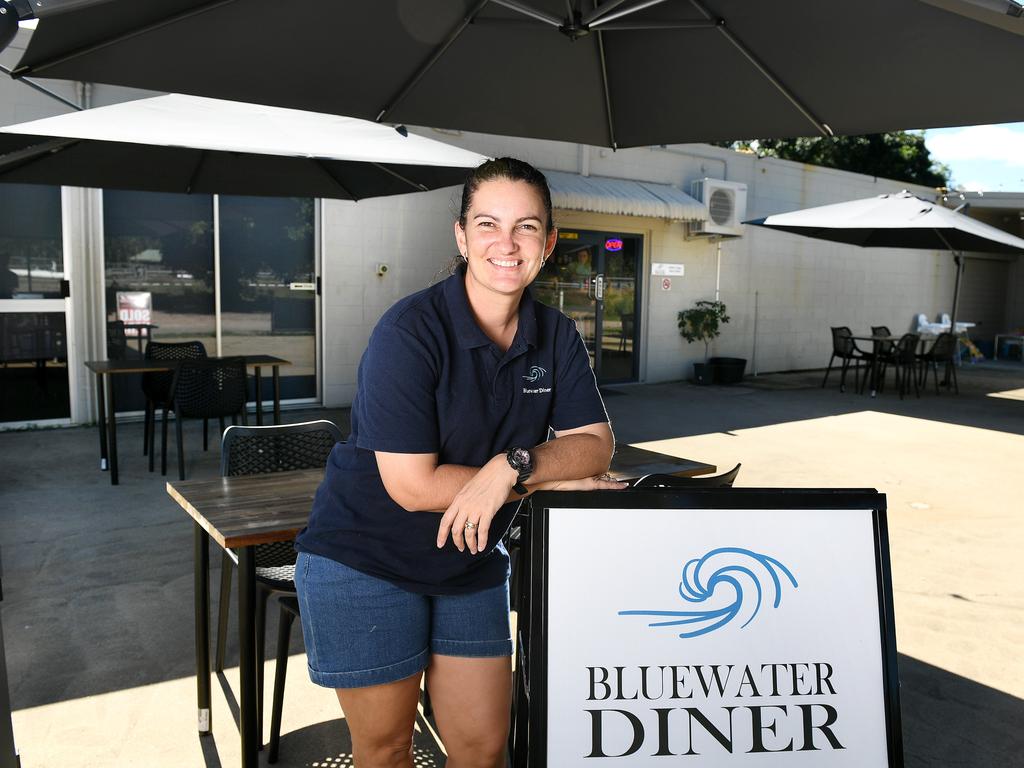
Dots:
(726, 202)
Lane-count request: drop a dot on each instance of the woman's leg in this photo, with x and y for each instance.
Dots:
(472, 699)
(381, 720)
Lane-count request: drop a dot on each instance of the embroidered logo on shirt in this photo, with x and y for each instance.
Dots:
(536, 373)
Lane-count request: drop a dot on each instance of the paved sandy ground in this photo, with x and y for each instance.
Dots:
(97, 604)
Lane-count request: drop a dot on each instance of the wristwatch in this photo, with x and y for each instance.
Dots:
(522, 462)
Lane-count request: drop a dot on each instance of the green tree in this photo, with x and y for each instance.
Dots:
(900, 155)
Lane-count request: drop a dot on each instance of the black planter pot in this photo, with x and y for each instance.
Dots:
(727, 370)
(703, 373)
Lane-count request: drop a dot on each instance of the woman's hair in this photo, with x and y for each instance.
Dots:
(510, 169)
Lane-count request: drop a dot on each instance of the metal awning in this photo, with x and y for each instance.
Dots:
(601, 194)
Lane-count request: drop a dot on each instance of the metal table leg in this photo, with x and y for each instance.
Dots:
(277, 394)
(202, 601)
(259, 397)
(247, 657)
(112, 432)
(101, 420)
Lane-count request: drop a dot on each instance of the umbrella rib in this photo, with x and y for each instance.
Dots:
(333, 179)
(44, 90)
(643, 26)
(823, 128)
(607, 93)
(195, 172)
(418, 187)
(533, 13)
(601, 10)
(14, 160)
(85, 50)
(624, 12)
(431, 60)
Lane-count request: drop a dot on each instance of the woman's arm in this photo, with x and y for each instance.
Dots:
(417, 482)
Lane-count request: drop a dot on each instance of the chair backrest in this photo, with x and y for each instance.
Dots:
(725, 480)
(262, 450)
(283, 448)
(117, 340)
(906, 347)
(157, 386)
(210, 388)
(945, 319)
(842, 343)
(884, 347)
(944, 347)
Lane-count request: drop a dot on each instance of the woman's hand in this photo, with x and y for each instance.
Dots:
(476, 505)
(598, 483)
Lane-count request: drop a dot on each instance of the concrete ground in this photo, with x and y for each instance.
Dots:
(97, 580)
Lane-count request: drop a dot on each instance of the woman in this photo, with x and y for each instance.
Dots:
(401, 568)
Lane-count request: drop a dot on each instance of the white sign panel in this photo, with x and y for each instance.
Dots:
(734, 637)
(667, 270)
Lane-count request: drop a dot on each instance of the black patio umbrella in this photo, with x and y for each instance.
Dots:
(614, 73)
(178, 143)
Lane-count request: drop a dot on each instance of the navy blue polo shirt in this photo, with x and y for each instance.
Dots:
(430, 381)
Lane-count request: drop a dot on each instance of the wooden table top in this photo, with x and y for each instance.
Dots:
(143, 365)
(629, 462)
(258, 509)
(252, 509)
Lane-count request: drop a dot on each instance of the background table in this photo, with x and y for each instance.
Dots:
(241, 512)
(105, 404)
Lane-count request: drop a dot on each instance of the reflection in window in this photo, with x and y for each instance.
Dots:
(268, 301)
(162, 244)
(31, 248)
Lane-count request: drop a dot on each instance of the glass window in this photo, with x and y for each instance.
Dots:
(160, 244)
(31, 246)
(268, 274)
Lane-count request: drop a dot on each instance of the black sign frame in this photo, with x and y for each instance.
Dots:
(528, 737)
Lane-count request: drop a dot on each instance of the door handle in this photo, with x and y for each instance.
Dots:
(599, 287)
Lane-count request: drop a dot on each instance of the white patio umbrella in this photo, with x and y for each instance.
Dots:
(179, 143)
(899, 220)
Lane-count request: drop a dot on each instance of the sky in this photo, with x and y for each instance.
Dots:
(986, 158)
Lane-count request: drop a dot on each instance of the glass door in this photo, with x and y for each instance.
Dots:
(592, 278)
(34, 383)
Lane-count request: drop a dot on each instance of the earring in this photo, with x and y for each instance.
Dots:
(465, 258)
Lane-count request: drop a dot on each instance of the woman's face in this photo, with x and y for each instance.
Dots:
(505, 240)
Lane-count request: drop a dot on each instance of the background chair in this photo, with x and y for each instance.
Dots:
(117, 340)
(724, 480)
(904, 361)
(883, 350)
(845, 348)
(261, 450)
(206, 389)
(942, 351)
(157, 389)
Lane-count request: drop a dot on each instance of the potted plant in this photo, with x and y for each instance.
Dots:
(701, 323)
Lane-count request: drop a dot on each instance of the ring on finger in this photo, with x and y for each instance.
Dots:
(470, 526)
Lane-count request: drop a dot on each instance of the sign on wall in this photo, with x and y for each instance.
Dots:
(134, 308)
(759, 635)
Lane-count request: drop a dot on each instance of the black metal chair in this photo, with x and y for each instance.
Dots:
(845, 348)
(942, 351)
(262, 450)
(724, 480)
(156, 387)
(117, 340)
(207, 389)
(903, 358)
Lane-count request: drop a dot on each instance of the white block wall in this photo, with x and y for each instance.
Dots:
(800, 287)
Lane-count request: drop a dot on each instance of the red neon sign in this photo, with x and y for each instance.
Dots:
(613, 244)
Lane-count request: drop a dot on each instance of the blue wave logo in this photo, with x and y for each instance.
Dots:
(536, 373)
(726, 571)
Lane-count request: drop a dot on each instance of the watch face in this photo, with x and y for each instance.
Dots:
(521, 457)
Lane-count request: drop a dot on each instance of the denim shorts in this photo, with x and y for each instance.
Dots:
(360, 630)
